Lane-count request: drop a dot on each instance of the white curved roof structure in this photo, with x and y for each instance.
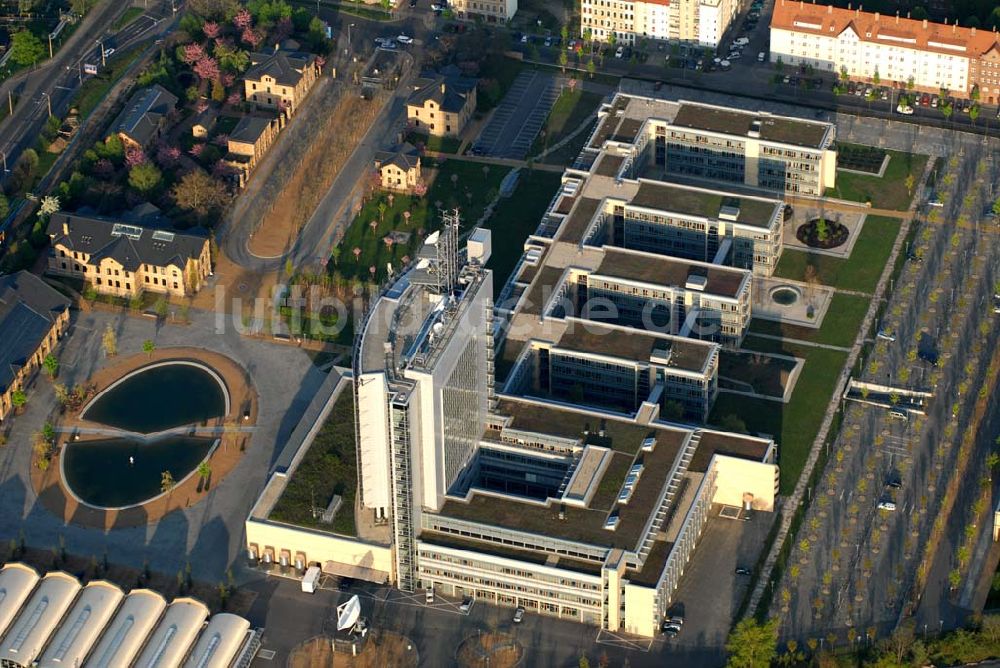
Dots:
(127, 632)
(38, 619)
(82, 625)
(174, 635)
(16, 583)
(219, 643)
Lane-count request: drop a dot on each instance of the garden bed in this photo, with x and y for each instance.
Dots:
(859, 158)
(822, 233)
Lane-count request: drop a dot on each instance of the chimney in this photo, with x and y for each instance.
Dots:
(973, 29)
(876, 17)
(65, 226)
(925, 24)
(442, 87)
(829, 9)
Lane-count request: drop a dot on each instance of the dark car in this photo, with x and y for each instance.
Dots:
(670, 630)
(345, 584)
(742, 571)
(895, 483)
(929, 357)
(413, 3)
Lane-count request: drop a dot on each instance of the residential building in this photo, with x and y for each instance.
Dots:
(203, 124)
(491, 11)
(144, 116)
(399, 167)
(249, 141)
(33, 317)
(125, 259)
(894, 50)
(702, 22)
(441, 105)
(280, 80)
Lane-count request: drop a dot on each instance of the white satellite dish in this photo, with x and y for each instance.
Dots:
(348, 613)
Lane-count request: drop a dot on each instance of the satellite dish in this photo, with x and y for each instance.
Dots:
(348, 613)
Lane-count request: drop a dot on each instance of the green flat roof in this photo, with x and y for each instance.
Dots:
(782, 129)
(754, 211)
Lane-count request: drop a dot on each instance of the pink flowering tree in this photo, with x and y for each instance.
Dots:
(243, 19)
(221, 139)
(207, 68)
(221, 170)
(201, 106)
(228, 80)
(197, 149)
(134, 156)
(284, 29)
(234, 98)
(168, 156)
(211, 29)
(320, 62)
(103, 169)
(193, 53)
(251, 37)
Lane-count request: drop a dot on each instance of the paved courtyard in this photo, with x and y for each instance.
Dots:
(209, 534)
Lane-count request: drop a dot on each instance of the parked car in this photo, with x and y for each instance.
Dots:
(928, 356)
(466, 604)
(897, 414)
(925, 100)
(548, 41)
(761, 57)
(904, 109)
(429, 595)
(894, 483)
(437, 8)
(524, 39)
(109, 52)
(742, 571)
(519, 615)
(885, 336)
(934, 101)
(670, 630)
(620, 52)
(404, 39)
(886, 505)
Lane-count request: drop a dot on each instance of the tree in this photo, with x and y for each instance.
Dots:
(144, 178)
(591, 68)
(200, 193)
(25, 48)
(166, 481)
(996, 207)
(109, 341)
(148, 346)
(733, 423)
(563, 60)
(752, 644)
(51, 365)
(910, 182)
(974, 113)
(4, 207)
(876, 79)
(214, 9)
(18, 399)
(204, 470)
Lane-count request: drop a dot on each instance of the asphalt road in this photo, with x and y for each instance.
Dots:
(55, 81)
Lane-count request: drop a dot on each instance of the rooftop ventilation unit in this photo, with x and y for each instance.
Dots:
(696, 282)
(123, 230)
(729, 212)
(754, 129)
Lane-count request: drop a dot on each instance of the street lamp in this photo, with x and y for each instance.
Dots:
(349, 26)
(100, 45)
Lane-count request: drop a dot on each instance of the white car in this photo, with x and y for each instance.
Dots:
(904, 109)
(404, 39)
(620, 52)
(109, 52)
(742, 41)
(524, 39)
(886, 505)
(761, 57)
(437, 8)
(885, 336)
(518, 615)
(735, 55)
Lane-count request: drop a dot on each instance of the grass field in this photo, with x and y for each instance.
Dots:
(569, 111)
(431, 143)
(516, 218)
(860, 271)
(840, 326)
(793, 425)
(886, 192)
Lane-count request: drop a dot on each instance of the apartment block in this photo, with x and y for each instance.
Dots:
(702, 22)
(280, 80)
(897, 49)
(491, 11)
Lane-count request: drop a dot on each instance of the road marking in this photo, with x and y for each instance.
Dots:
(266, 654)
(605, 637)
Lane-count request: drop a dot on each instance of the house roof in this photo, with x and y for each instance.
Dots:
(873, 27)
(129, 244)
(405, 156)
(142, 115)
(249, 129)
(450, 93)
(28, 309)
(285, 67)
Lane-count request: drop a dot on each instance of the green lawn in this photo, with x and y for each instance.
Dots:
(793, 425)
(131, 14)
(515, 218)
(886, 192)
(439, 144)
(859, 272)
(570, 110)
(840, 326)
(329, 467)
(470, 191)
(96, 88)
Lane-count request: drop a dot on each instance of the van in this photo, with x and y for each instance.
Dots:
(897, 414)
(310, 581)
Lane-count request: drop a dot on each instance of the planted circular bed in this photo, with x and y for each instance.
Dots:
(822, 233)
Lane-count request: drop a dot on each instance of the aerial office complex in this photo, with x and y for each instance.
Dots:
(546, 447)
(899, 50)
(701, 22)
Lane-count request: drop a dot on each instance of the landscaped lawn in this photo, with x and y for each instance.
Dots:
(329, 467)
(571, 108)
(887, 192)
(458, 184)
(793, 425)
(765, 373)
(439, 144)
(840, 326)
(515, 218)
(860, 271)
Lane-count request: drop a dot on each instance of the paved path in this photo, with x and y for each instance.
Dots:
(800, 342)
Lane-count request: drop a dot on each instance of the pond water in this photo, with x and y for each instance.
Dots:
(158, 398)
(99, 472)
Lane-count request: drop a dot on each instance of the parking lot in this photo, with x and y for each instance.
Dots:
(515, 123)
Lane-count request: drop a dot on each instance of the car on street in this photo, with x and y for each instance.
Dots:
(524, 39)
(404, 39)
(742, 41)
(897, 414)
(742, 571)
(735, 55)
(996, 304)
(894, 483)
(620, 52)
(934, 101)
(109, 52)
(885, 336)
(518, 615)
(886, 505)
(761, 57)
(670, 630)
(548, 41)
(429, 595)
(437, 8)
(466, 604)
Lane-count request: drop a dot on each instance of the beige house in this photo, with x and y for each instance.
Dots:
(492, 11)
(126, 259)
(204, 123)
(280, 80)
(144, 116)
(398, 168)
(442, 106)
(249, 141)
(33, 317)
